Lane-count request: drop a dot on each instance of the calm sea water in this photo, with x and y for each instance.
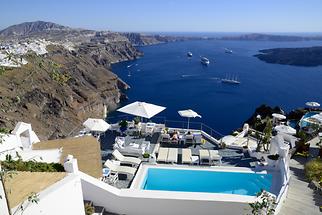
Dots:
(165, 76)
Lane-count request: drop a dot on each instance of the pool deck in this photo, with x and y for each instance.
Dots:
(230, 157)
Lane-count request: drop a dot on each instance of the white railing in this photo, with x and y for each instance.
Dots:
(182, 125)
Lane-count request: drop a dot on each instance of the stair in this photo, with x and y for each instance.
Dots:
(300, 198)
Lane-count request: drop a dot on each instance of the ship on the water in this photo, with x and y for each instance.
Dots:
(204, 61)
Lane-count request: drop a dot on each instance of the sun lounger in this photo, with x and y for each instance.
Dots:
(240, 141)
(186, 156)
(126, 159)
(165, 139)
(149, 128)
(119, 169)
(189, 139)
(162, 155)
(172, 155)
(204, 156)
(214, 156)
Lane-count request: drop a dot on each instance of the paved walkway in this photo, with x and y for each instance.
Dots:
(300, 200)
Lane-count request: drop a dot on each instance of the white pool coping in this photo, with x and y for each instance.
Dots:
(141, 173)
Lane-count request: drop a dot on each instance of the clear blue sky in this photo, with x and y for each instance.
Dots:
(170, 15)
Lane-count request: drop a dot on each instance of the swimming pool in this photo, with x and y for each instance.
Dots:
(307, 115)
(186, 180)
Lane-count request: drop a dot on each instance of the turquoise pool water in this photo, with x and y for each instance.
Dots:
(307, 115)
(206, 181)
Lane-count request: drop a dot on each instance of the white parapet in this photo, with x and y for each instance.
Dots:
(70, 164)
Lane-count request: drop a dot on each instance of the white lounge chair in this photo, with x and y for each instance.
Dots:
(186, 156)
(204, 156)
(172, 155)
(149, 128)
(119, 169)
(163, 155)
(214, 156)
(189, 139)
(126, 159)
(165, 139)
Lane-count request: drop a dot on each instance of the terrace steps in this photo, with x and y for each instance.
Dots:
(300, 198)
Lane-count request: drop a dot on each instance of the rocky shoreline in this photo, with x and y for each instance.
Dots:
(307, 57)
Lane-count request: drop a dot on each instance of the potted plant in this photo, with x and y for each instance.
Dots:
(272, 159)
(136, 120)
(223, 145)
(89, 209)
(123, 125)
(146, 156)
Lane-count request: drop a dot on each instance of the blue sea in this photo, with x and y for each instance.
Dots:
(167, 77)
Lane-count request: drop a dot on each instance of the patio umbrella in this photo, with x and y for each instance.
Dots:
(278, 116)
(142, 109)
(98, 125)
(312, 104)
(189, 114)
(285, 129)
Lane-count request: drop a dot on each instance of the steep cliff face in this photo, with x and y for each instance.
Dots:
(139, 39)
(57, 92)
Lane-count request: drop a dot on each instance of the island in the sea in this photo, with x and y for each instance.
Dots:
(308, 57)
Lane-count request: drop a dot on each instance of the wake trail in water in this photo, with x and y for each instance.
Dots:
(186, 76)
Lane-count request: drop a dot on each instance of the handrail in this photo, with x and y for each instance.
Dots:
(173, 124)
(283, 189)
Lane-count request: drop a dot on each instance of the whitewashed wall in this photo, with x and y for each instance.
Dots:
(3, 202)
(63, 197)
(134, 202)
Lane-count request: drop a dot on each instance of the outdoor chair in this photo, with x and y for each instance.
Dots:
(172, 155)
(125, 159)
(186, 156)
(189, 140)
(162, 155)
(204, 157)
(165, 139)
(119, 169)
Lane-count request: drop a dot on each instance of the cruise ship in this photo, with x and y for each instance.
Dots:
(204, 61)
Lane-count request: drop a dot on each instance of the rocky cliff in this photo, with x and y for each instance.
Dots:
(138, 39)
(57, 92)
(307, 56)
(270, 37)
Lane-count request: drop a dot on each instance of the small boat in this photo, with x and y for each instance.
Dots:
(189, 54)
(228, 80)
(228, 51)
(204, 61)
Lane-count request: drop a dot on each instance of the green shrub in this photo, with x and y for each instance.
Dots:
(60, 77)
(4, 130)
(146, 155)
(31, 166)
(89, 209)
(313, 169)
(2, 70)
